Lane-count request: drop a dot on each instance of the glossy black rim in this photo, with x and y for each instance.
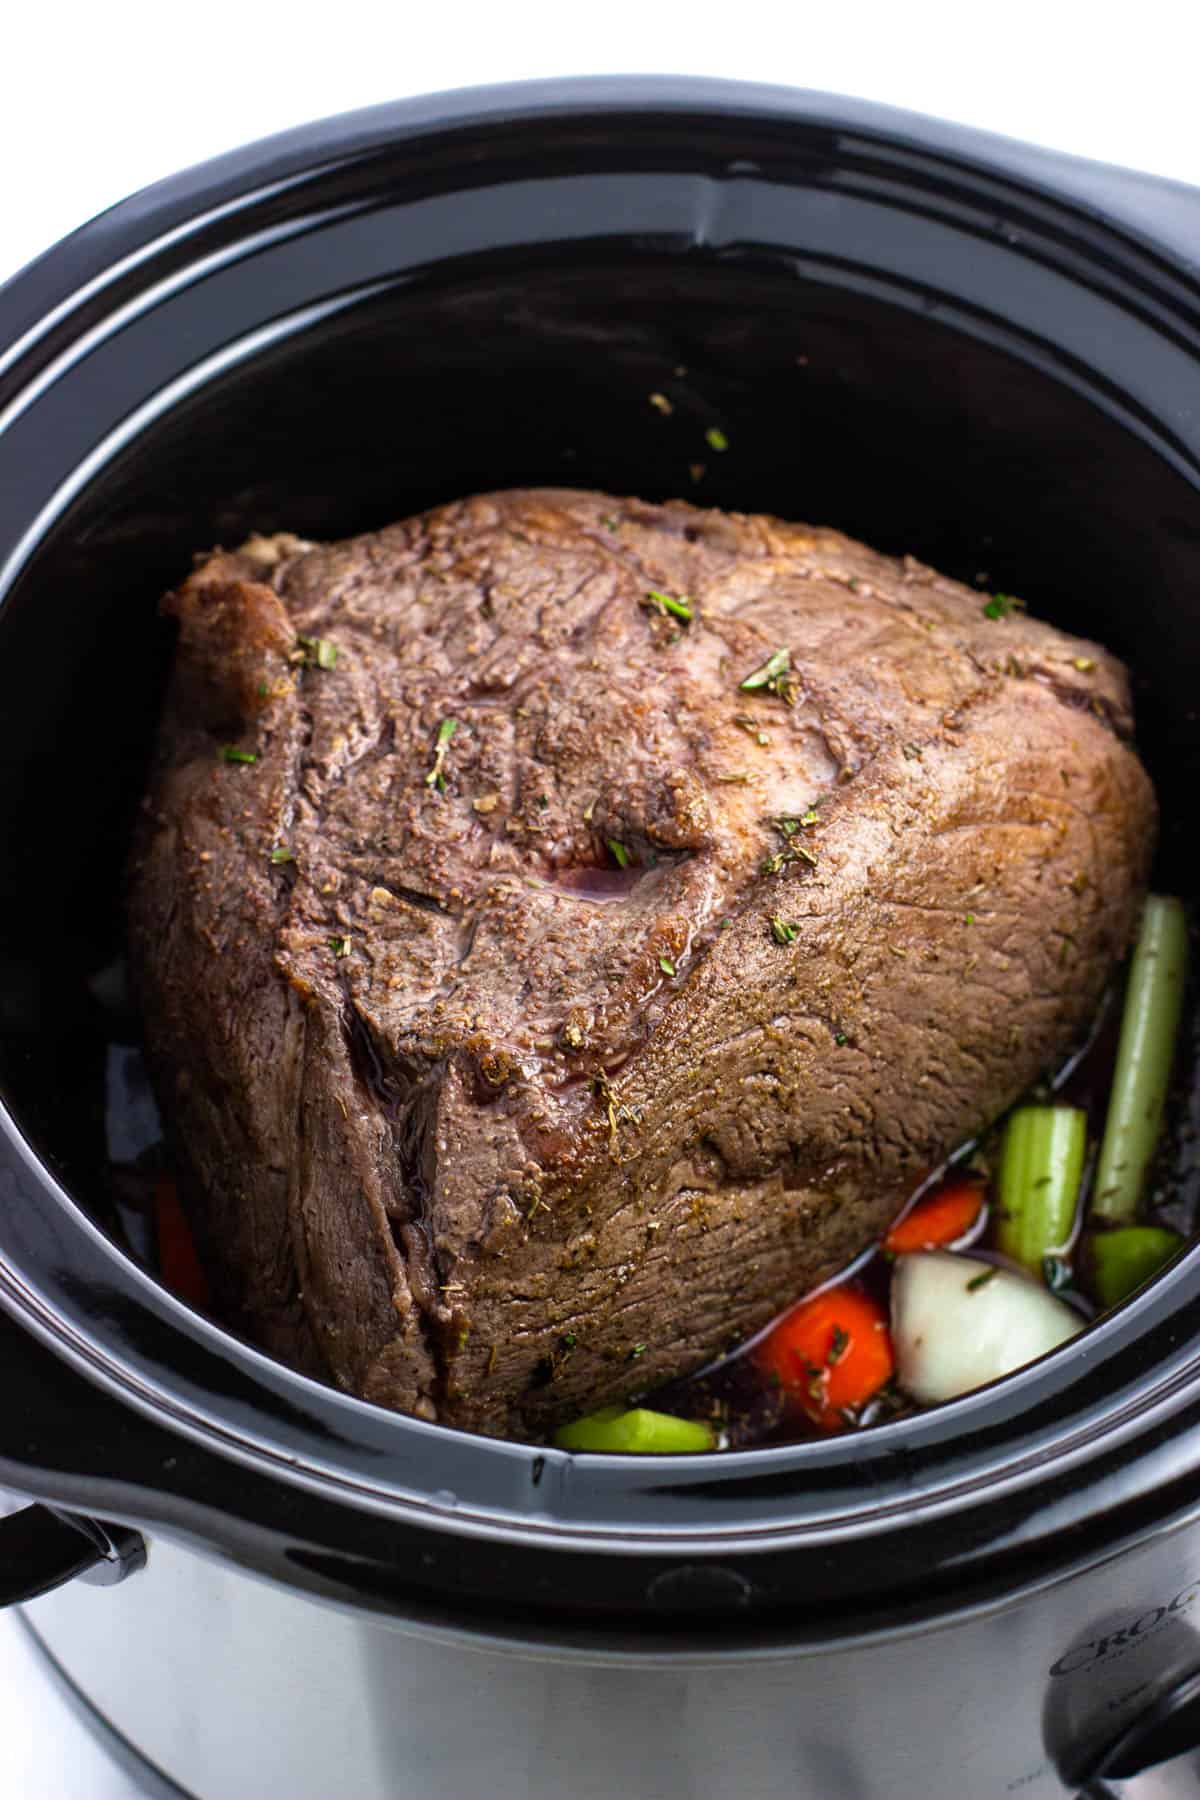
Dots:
(1107, 310)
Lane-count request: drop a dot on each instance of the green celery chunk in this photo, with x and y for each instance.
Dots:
(638, 1430)
(1041, 1165)
(1149, 1025)
(1122, 1260)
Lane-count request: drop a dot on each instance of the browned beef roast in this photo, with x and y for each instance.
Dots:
(632, 1008)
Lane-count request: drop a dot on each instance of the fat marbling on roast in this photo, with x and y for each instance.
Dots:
(516, 1066)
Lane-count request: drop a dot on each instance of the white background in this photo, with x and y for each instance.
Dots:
(99, 100)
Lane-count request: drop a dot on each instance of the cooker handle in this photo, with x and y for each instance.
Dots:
(1158, 1755)
(41, 1548)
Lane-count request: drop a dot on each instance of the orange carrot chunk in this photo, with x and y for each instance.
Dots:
(178, 1264)
(940, 1219)
(830, 1354)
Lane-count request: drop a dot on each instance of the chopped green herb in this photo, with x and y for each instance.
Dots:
(637, 1350)
(231, 753)
(970, 918)
(680, 608)
(788, 826)
(263, 690)
(610, 522)
(340, 946)
(618, 852)
(543, 801)
(782, 932)
(771, 675)
(436, 778)
(840, 1038)
(316, 653)
(725, 924)
(839, 1344)
(666, 965)
(281, 854)
(1000, 605)
(715, 438)
(981, 1280)
(568, 1340)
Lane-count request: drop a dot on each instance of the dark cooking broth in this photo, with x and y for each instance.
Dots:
(735, 1394)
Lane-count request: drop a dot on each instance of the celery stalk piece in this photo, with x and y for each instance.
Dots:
(1149, 1026)
(1041, 1165)
(1122, 1260)
(638, 1430)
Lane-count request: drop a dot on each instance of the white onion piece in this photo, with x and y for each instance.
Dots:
(951, 1336)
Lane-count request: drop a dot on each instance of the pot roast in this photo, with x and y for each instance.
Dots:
(567, 928)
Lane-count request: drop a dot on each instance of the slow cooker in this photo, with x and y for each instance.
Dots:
(941, 342)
